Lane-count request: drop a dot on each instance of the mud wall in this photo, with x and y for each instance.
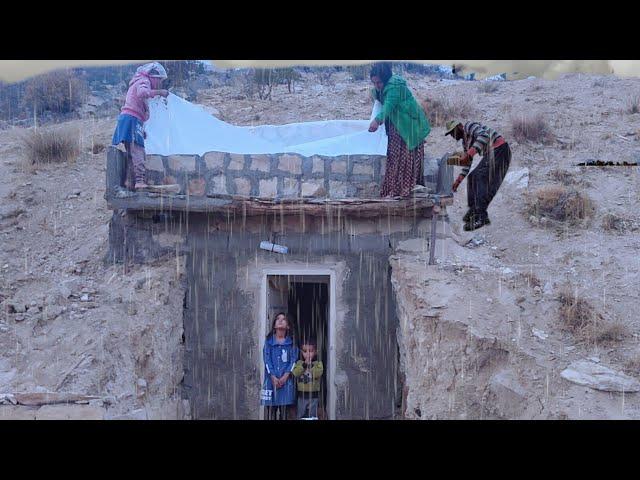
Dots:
(222, 317)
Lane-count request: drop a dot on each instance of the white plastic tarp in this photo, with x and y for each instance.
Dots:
(179, 127)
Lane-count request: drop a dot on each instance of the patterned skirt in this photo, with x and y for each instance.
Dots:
(405, 167)
(129, 129)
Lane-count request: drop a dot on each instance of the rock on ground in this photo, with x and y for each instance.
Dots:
(599, 377)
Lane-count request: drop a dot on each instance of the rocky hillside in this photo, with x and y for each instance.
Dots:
(489, 332)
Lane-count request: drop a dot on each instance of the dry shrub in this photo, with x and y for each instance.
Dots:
(531, 128)
(324, 75)
(580, 318)
(633, 105)
(181, 71)
(488, 87)
(610, 332)
(97, 148)
(632, 366)
(531, 279)
(359, 72)
(564, 177)
(611, 221)
(568, 178)
(442, 108)
(50, 146)
(560, 204)
(60, 92)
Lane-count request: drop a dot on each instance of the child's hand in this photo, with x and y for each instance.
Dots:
(275, 381)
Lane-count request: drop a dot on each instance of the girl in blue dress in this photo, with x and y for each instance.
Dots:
(280, 354)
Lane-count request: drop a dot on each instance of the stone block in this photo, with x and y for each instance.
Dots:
(261, 163)
(182, 163)
(318, 165)
(197, 187)
(154, 163)
(368, 190)
(243, 186)
(269, 188)
(218, 185)
(169, 180)
(291, 164)
(339, 166)
(337, 189)
(290, 187)
(360, 169)
(313, 188)
(237, 162)
(214, 160)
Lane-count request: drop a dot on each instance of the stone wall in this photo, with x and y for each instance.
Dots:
(281, 175)
(276, 176)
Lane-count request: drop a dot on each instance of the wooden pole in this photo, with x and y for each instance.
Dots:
(432, 240)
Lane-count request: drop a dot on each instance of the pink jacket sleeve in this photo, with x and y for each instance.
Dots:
(143, 90)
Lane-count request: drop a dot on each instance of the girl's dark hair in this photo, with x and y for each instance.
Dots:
(273, 324)
(382, 70)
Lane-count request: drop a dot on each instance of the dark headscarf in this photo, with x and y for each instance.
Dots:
(382, 70)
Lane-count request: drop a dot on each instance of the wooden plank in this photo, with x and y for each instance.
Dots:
(50, 398)
(420, 206)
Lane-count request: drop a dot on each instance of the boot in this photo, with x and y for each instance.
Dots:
(476, 221)
(467, 216)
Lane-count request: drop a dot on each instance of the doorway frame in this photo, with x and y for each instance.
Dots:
(263, 330)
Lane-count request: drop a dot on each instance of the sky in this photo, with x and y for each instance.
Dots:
(16, 70)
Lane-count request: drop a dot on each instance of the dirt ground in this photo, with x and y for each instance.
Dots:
(70, 323)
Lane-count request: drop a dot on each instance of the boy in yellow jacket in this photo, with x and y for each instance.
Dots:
(308, 374)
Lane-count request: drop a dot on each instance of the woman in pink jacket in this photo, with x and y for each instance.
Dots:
(145, 84)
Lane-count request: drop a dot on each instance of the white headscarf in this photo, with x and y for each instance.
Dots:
(153, 69)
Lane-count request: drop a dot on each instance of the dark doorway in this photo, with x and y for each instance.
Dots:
(309, 309)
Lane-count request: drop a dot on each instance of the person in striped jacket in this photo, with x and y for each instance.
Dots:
(485, 180)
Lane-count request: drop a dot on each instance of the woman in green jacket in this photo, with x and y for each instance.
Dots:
(407, 127)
